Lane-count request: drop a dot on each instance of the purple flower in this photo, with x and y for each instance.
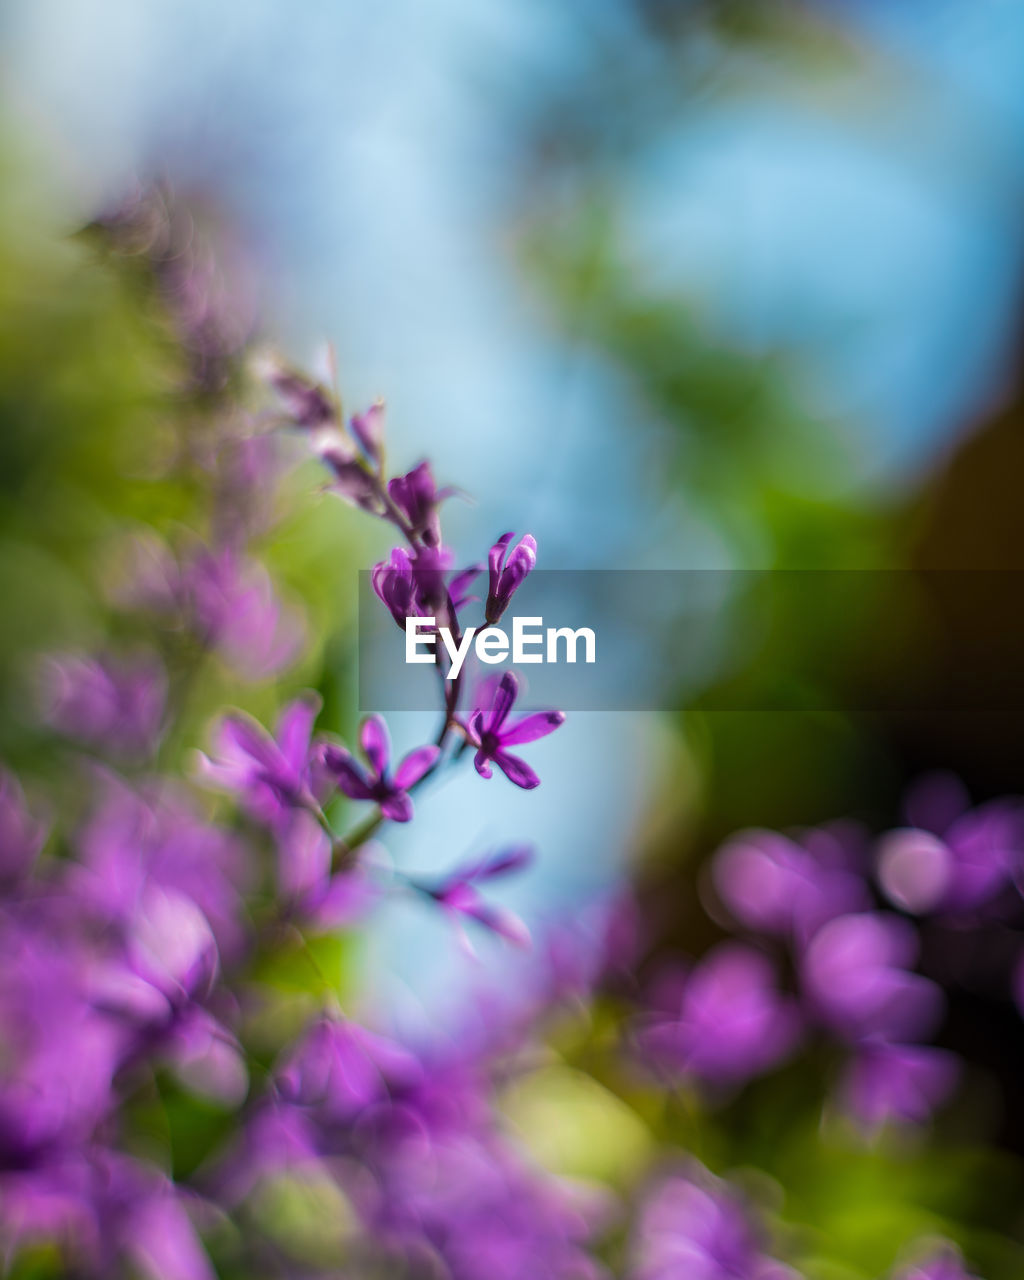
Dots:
(414, 586)
(775, 885)
(21, 835)
(110, 1214)
(697, 1226)
(137, 839)
(728, 1023)
(601, 937)
(455, 1196)
(339, 1069)
(375, 783)
(507, 572)
(489, 733)
(352, 481)
(117, 705)
(856, 975)
(322, 900)
(418, 498)
(899, 1083)
(306, 403)
(915, 869)
(460, 895)
(148, 576)
(954, 859)
(271, 775)
(155, 989)
(60, 1054)
(368, 429)
(233, 603)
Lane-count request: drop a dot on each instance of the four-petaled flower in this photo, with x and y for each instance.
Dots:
(376, 783)
(507, 572)
(491, 735)
(272, 775)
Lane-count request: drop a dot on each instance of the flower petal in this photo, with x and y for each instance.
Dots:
(240, 733)
(482, 762)
(397, 807)
(459, 583)
(304, 856)
(496, 559)
(505, 861)
(532, 727)
(415, 765)
(504, 697)
(475, 728)
(516, 770)
(347, 773)
(295, 727)
(376, 743)
(368, 429)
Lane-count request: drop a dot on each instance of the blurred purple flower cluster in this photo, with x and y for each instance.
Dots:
(845, 917)
(143, 904)
(694, 1224)
(132, 922)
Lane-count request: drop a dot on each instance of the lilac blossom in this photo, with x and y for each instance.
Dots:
(350, 478)
(418, 498)
(415, 586)
(885, 1083)
(237, 612)
(491, 735)
(411, 585)
(375, 782)
(223, 596)
(695, 1225)
(150, 945)
(413, 1139)
(271, 775)
(339, 1069)
(111, 1212)
(507, 570)
(62, 1054)
(856, 974)
(310, 888)
(134, 839)
(601, 939)
(156, 988)
(368, 429)
(724, 1022)
(459, 893)
(954, 859)
(306, 403)
(462, 1195)
(116, 704)
(140, 961)
(780, 886)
